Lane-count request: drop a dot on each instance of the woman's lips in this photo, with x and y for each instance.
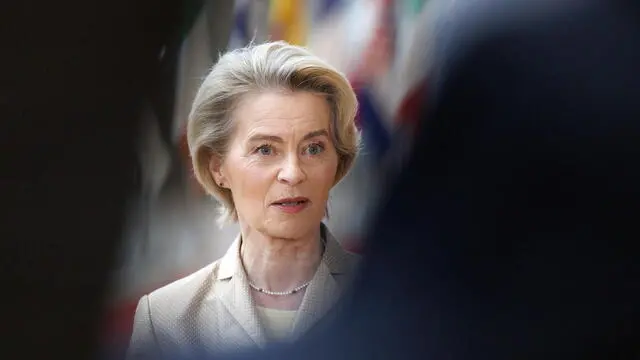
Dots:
(291, 205)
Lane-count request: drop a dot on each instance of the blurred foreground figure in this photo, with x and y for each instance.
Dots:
(510, 232)
(74, 78)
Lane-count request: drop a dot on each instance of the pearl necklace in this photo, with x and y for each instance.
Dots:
(279, 293)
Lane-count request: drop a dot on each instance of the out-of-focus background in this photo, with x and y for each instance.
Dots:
(171, 232)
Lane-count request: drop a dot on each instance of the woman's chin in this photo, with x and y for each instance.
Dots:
(291, 229)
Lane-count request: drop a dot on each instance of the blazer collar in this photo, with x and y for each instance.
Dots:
(231, 261)
(323, 291)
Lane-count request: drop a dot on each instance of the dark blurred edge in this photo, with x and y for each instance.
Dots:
(73, 76)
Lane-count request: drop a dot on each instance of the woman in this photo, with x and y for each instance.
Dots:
(271, 131)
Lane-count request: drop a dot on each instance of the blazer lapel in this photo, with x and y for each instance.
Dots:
(240, 323)
(235, 294)
(319, 297)
(327, 284)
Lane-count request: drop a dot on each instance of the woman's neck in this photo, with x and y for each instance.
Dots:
(280, 264)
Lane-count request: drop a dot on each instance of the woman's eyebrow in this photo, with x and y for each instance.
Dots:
(275, 138)
(316, 133)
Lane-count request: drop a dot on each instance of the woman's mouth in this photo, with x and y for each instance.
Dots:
(291, 205)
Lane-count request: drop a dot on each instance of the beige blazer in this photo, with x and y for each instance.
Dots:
(213, 310)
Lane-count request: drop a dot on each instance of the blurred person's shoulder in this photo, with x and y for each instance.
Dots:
(455, 29)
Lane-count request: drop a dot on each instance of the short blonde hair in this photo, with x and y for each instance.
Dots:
(269, 66)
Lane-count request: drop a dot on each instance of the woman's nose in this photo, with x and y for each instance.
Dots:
(291, 172)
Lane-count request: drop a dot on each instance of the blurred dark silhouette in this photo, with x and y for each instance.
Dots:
(509, 234)
(74, 77)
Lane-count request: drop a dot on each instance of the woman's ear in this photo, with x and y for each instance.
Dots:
(215, 168)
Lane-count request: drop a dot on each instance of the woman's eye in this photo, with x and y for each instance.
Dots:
(265, 150)
(315, 149)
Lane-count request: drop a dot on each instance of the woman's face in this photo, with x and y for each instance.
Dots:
(281, 163)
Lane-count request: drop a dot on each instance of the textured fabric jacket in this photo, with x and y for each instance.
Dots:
(213, 310)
